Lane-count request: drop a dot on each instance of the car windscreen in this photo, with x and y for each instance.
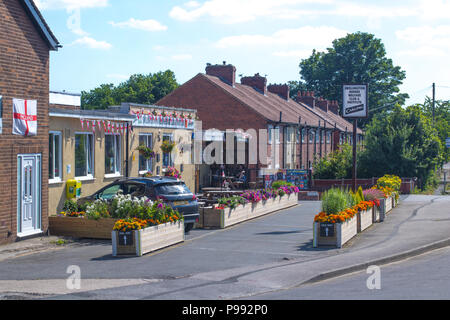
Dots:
(172, 189)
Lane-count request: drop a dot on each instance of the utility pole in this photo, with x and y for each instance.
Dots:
(434, 99)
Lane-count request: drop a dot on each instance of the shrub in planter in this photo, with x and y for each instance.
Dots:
(336, 200)
(98, 209)
(390, 181)
(281, 183)
(167, 146)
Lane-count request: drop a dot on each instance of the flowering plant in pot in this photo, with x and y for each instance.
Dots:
(146, 152)
(167, 146)
(172, 172)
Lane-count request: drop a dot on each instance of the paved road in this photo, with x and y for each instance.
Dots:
(423, 277)
(260, 256)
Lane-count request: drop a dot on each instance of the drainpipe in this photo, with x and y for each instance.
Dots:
(127, 151)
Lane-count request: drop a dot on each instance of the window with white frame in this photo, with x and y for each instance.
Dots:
(311, 136)
(303, 135)
(145, 165)
(54, 161)
(84, 155)
(112, 154)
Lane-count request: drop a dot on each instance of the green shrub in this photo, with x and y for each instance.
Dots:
(336, 200)
(281, 183)
(70, 206)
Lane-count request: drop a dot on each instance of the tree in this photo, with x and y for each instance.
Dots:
(403, 143)
(337, 165)
(139, 88)
(357, 58)
(441, 120)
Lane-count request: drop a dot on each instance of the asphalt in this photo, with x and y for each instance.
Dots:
(262, 256)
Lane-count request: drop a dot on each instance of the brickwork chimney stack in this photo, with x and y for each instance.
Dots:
(225, 72)
(334, 107)
(256, 82)
(322, 104)
(280, 89)
(306, 97)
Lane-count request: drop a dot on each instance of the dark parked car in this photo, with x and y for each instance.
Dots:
(172, 191)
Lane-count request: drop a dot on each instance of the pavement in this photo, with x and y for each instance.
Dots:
(260, 257)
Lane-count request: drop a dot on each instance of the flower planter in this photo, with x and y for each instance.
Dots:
(140, 242)
(365, 219)
(81, 227)
(334, 234)
(222, 218)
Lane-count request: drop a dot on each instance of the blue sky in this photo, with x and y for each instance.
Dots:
(105, 41)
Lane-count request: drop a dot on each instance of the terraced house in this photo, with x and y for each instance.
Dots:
(307, 127)
(25, 43)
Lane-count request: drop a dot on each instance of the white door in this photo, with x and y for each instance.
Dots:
(29, 198)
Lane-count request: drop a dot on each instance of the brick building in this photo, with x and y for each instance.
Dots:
(308, 127)
(25, 42)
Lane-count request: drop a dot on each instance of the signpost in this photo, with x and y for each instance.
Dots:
(355, 106)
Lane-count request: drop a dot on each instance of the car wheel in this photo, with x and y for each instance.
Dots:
(188, 227)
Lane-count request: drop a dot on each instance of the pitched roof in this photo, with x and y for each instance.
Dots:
(270, 105)
(42, 26)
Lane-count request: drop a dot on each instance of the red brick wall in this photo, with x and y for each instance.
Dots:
(24, 74)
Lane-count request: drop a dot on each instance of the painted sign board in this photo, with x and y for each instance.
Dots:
(355, 101)
(298, 178)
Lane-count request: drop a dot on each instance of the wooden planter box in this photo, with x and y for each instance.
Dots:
(335, 235)
(81, 227)
(140, 242)
(365, 219)
(222, 218)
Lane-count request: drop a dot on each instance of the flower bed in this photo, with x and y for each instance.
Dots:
(138, 237)
(100, 217)
(249, 205)
(334, 234)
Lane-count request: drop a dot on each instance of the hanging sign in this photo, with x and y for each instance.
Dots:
(355, 101)
(25, 117)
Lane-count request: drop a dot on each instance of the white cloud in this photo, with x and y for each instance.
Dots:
(146, 25)
(92, 43)
(192, 4)
(423, 52)
(434, 36)
(310, 36)
(69, 4)
(434, 9)
(233, 11)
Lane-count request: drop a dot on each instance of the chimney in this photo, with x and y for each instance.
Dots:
(334, 107)
(280, 89)
(225, 72)
(256, 82)
(322, 104)
(306, 97)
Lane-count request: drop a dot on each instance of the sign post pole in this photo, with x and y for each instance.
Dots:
(355, 125)
(355, 106)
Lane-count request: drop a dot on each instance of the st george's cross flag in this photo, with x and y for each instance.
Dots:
(25, 117)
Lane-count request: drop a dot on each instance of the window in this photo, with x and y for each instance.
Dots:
(145, 165)
(112, 154)
(287, 132)
(172, 189)
(303, 135)
(167, 157)
(297, 135)
(317, 135)
(311, 136)
(84, 154)
(269, 133)
(328, 137)
(54, 162)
